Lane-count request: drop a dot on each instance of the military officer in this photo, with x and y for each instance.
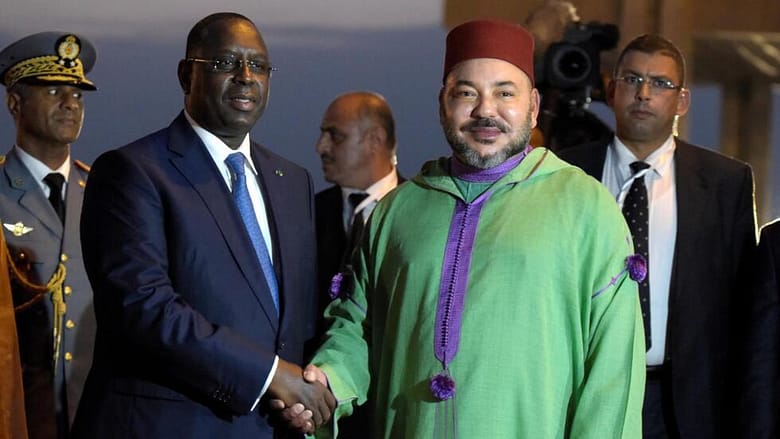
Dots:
(41, 192)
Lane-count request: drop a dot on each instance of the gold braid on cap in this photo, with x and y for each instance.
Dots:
(46, 68)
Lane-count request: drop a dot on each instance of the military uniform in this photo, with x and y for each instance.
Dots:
(32, 228)
(55, 324)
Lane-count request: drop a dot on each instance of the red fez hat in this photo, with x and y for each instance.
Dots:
(490, 39)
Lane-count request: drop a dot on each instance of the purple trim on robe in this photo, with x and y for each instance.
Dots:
(457, 257)
(476, 175)
(611, 283)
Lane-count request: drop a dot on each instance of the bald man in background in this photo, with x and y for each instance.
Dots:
(357, 146)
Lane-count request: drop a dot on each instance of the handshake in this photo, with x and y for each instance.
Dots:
(301, 397)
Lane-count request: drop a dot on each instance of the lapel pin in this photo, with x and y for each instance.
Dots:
(18, 229)
(82, 183)
(279, 172)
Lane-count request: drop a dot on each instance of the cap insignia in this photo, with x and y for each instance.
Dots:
(68, 48)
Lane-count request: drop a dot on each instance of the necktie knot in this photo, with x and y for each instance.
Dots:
(55, 180)
(356, 198)
(638, 166)
(235, 162)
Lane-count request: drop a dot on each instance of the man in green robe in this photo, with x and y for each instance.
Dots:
(493, 294)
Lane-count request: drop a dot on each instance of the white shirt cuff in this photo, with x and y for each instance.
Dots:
(267, 382)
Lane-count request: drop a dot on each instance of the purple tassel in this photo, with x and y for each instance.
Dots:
(442, 387)
(637, 267)
(335, 285)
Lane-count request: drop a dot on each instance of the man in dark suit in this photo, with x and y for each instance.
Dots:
(700, 224)
(201, 256)
(41, 193)
(760, 402)
(357, 147)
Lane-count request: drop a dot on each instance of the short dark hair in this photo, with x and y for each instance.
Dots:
(200, 32)
(653, 43)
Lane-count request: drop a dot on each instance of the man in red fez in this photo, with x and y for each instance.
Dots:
(494, 294)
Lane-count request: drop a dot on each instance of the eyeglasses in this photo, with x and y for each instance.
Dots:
(657, 85)
(230, 64)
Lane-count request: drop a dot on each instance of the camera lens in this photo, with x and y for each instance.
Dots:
(571, 65)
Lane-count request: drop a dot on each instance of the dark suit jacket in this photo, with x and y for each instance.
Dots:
(707, 302)
(187, 330)
(44, 239)
(331, 238)
(761, 399)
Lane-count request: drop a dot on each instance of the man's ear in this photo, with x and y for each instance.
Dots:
(536, 103)
(376, 138)
(683, 102)
(184, 73)
(13, 100)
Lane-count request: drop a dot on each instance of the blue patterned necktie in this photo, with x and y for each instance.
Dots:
(235, 162)
(635, 209)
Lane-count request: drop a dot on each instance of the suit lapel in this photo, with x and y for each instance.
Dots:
(270, 174)
(193, 161)
(693, 199)
(593, 165)
(30, 194)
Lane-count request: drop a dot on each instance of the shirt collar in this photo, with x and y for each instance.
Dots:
(218, 149)
(376, 191)
(659, 160)
(38, 169)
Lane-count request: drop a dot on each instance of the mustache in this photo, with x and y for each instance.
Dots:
(640, 106)
(487, 122)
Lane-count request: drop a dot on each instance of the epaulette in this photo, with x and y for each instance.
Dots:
(81, 165)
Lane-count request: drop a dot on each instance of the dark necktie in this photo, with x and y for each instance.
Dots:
(356, 229)
(55, 180)
(636, 212)
(235, 162)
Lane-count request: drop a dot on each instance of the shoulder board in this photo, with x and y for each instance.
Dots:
(81, 165)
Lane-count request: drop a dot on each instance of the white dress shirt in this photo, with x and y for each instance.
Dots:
(219, 151)
(375, 193)
(39, 170)
(662, 206)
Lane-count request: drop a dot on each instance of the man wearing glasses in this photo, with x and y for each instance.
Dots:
(691, 214)
(202, 258)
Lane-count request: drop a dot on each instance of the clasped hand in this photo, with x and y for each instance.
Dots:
(301, 397)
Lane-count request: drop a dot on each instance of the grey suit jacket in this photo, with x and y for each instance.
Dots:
(40, 235)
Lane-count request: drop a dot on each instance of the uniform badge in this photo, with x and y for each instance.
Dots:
(68, 49)
(18, 229)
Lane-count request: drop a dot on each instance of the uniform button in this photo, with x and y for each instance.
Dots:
(63, 257)
(68, 290)
(68, 356)
(69, 324)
